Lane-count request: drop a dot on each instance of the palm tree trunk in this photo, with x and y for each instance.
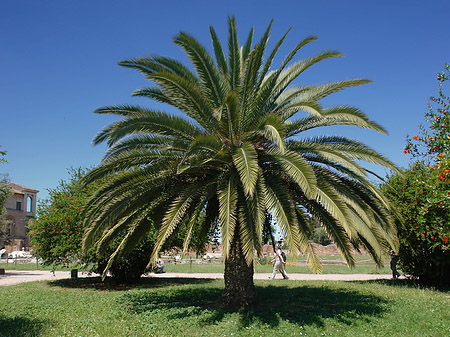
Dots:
(240, 292)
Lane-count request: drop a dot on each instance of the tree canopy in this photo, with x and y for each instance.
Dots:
(237, 154)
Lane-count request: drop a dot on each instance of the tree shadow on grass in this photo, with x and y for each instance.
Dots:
(405, 283)
(21, 326)
(96, 283)
(304, 305)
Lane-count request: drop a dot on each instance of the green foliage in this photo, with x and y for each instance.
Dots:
(2, 154)
(432, 141)
(422, 197)
(57, 231)
(236, 152)
(130, 268)
(5, 192)
(320, 236)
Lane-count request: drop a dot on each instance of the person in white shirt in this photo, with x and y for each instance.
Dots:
(279, 263)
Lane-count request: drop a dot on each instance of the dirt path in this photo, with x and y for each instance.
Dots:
(12, 277)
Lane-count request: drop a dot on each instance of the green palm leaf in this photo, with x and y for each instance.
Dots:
(245, 160)
(205, 67)
(298, 169)
(227, 195)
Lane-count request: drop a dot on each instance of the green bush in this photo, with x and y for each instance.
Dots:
(422, 196)
(57, 233)
(320, 236)
(130, 268)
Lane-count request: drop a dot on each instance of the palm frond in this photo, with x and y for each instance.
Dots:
(187, 97)
(293, 71)
(152, 92)
(248, 44)
(274, 51)
(323, 90)
(204, 66)
(279, 203)
(218, 51)
(233, 54)
(173, 218)
(337, 115)
(298, 169)
(141, 120)
(227, 195)
(155, 64)
(334, 205)
(245, 160)
(133, 236)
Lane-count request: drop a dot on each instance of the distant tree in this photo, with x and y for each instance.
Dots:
(5, 224)
(5, 192)
(422, 196)
(2, 155)
(237, 153)
(320, 236)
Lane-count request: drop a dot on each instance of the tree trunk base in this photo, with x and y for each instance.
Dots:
(233, 301)
(240, 292)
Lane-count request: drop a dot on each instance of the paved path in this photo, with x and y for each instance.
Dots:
(12, 277)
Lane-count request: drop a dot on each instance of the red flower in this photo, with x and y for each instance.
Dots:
(446, 171)
(441, 176)
(445, 239)
(405, 151)
(415, 137)
(441, 154)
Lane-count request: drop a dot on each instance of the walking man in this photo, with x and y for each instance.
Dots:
(279, 263)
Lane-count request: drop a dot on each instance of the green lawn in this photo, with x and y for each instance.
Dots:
(290, 269)
(185, 307)
(363, 266)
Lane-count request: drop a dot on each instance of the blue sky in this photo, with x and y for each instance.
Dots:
(58, 63)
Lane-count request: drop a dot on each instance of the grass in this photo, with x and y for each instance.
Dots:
(290, 269)
(362, 267)
(187, 307)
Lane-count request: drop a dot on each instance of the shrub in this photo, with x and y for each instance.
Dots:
(57, 233)
(320, 236)
(422, 196)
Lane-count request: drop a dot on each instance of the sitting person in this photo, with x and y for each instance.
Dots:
(159, 268)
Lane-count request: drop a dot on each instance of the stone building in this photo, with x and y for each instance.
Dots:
(20, 207)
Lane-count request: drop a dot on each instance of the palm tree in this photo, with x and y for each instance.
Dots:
(235, 157)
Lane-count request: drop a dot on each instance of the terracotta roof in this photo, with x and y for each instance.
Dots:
(21, 189)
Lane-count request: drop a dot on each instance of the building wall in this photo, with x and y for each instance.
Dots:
(21, 207)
